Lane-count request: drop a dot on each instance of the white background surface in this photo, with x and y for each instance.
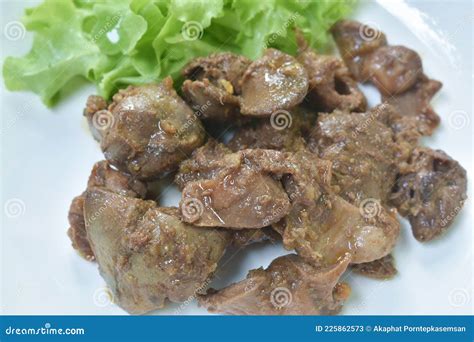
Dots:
(47, 155)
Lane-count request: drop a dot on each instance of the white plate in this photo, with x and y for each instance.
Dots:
(47, 156)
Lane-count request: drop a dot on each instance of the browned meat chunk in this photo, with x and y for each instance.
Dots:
(330, 227)
(245, 198)
(145, 253)
(383, 268)
(362, 151)
(274, 82)
(405, 131)
(229, 190)
(393, 69)
(150, 130)
(289, 286)
(415, 103)
(77, 229)
(396, 71)
(321, 226)
(263, 135)
(430, 191)
(220, 69)
(212, 85)
(205, 163)
(331, 86)
(210, 101)
(283, 132)
(102, 176)
(355, 41)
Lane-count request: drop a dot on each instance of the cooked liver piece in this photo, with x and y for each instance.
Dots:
(229, 190)
(212, 85)
(331, 86)
(383, 268)
(362, 150)
(396, 71)
(77, 229)
(102, 176)
(210, 101)
(219, 69)
(151, 130)
(289, 286)
(415, 104)
(285, 133)
(274, 82)
(356, 41)
(205, 163)
(393, 69)
(430, 191)
(145, 253)
(405, 130)
(322, 226)
(323, 231)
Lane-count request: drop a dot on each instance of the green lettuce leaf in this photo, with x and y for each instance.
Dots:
(114, 43)
(60, 52)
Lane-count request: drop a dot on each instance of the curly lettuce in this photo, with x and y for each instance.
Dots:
(114, 43)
